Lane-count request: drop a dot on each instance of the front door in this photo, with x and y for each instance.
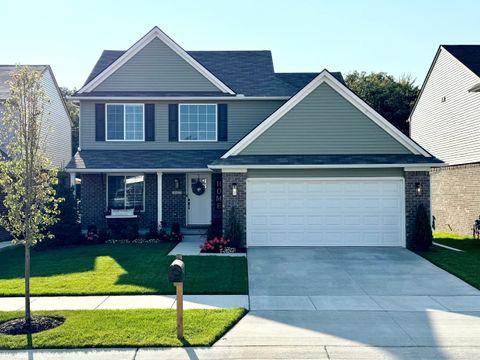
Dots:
(199, 199)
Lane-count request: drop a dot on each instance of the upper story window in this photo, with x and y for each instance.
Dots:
(125, 122)
(197, 122)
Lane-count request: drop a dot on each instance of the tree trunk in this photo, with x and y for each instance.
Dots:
(28, 317)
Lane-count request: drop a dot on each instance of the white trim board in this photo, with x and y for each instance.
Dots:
(129, 171)
(331, 166)
(326, 77)
(177, 98)
(139, 45)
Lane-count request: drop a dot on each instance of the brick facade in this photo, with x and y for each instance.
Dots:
(239, 201)
(174, 200)
(94, 201)
(455, 198)
(413, 200)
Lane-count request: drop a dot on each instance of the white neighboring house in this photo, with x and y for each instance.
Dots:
(59, 144)
(445, 121)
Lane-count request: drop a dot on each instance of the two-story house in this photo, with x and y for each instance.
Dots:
(185, 136)
(444, 121)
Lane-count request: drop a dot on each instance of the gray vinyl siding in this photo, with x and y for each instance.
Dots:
(324, 123)
(156, 68)
(274, 173)
(243, 116)
(57, 124)
(448, 130)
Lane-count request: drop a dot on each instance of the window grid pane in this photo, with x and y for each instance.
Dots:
(198, 122)
(126, 192)
(115, 122)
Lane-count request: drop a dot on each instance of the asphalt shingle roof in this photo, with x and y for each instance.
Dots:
(250, 73)
(143, 159)
(469, 55)
(199, 159)
(325, 160)
(5, 75)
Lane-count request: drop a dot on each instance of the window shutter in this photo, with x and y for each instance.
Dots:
(172, 122)
(99, 122)
(222, 122)
(149, 122)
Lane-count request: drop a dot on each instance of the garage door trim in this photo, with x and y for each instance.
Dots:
(396, 178)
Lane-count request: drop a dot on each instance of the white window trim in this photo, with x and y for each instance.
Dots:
(124, 121)
(216, 122)
(124, 175)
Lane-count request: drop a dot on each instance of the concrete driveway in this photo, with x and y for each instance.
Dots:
(385, 303)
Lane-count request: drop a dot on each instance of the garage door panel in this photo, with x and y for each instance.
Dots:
(316, 212)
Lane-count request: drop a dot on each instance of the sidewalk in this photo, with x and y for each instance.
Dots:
(318, 352)
(125, 302)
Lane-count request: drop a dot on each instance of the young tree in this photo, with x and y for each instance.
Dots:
(26, 176)
(392, 98)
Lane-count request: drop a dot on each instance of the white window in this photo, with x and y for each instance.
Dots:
(197, 122)
(126, 192)
(125, 122)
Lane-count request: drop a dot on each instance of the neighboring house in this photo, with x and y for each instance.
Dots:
(58, 126)
(444, 121)
(185, 136)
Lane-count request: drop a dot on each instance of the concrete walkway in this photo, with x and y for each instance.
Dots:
(191, 246)
(124, 302)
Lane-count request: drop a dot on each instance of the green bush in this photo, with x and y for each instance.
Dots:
(67, 230)
(423, 230)
(234, 230)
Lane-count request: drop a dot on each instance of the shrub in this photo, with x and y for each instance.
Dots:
(153, 232)
(175, 233)
(67, 230)
(215, 229)
(423, 230)
(234, 230)
(92, 235)
(215, 245)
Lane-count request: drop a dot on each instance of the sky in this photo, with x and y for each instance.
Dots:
(397, 37)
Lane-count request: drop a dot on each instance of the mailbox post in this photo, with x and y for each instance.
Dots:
(176, 275)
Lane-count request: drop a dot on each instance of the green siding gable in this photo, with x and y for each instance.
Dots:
(156, 68)
(324, 123)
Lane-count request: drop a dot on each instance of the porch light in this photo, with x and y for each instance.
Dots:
(418, 189)
(234, 189)
(177, 183)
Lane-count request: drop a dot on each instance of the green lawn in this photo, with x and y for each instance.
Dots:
(465, 265)
(118, 269)
(126, 328)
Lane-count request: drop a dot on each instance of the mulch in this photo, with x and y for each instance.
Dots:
(19, 326)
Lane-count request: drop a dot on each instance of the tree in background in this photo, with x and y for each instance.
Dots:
(392, 98)
(26, 176)
(74, 111)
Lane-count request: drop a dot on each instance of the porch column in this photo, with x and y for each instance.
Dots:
(159, 197)
(72, 184)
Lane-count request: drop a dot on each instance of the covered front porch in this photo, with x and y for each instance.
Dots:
(148, 195)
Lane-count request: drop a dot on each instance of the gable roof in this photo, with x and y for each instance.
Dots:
(326, 77)
(468, 55)
(139, 45)
(6, 75)
(247, 72)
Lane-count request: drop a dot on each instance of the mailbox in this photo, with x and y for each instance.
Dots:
(176, 271)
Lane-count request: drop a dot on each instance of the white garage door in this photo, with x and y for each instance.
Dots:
(325, 212)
